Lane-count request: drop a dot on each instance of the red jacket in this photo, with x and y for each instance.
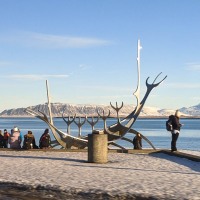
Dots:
(6, 136)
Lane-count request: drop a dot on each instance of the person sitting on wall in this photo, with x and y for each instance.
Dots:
(1, 140)
(137, 141)
(6, 136)
(45, 140)
(29, 141)
(15, 138)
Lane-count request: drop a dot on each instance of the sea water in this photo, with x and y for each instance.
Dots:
(153, 129)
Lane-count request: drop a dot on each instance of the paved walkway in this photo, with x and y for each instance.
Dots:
(125, 176)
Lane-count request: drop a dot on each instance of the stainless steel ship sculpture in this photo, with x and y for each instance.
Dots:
(115, 132)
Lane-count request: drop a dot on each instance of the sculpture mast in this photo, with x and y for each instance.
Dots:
(48, 103)
(137, 92)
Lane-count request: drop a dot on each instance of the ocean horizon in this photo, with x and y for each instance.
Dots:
(152, 128)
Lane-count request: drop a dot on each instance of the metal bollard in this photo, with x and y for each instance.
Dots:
(98, 147)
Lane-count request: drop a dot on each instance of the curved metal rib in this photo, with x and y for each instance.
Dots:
(117, 109)
(148, 141)
(117, 145)
(92, 123)
(68, 122)
(126, 139)
(63, 139)
(155, 85)
(80, 124)
(44, 118)
(104, 117)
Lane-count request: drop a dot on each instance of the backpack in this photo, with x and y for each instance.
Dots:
(28, 142)
(169, 124)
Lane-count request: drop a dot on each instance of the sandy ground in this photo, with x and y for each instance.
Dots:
(125, 176)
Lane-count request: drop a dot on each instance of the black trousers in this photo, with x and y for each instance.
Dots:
(5, 143)
(173, 142)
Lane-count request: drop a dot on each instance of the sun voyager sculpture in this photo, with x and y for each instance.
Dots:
(115, 132)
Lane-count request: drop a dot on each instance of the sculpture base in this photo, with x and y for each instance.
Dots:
(97, 148)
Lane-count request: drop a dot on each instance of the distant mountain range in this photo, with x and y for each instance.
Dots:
(91, 110)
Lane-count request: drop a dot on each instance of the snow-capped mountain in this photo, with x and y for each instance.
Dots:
(193, 110)
(91, 110)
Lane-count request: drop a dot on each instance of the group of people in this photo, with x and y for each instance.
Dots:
(14, 139)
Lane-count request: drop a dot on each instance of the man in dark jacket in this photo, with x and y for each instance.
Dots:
(29, 141)
(1, 140)
(176, 126)
(45, 140)
(137, 141)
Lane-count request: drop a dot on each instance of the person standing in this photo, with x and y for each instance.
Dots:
(6, 136)
(176, 126)
(15, 138)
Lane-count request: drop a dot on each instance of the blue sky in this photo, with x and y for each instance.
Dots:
(87, 51)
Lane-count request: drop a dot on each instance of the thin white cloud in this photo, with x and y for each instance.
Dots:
(66, 41)
(183, 85)
(109, 98)
(4, 63)
(53, 41)
(106, 88)
(193, 66)
(83, 67)
(196, 98)
(35, 76)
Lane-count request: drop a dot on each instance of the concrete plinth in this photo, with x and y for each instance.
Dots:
(97, 147)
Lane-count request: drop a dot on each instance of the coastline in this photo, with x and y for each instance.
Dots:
(68, 175)
(111, 117)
